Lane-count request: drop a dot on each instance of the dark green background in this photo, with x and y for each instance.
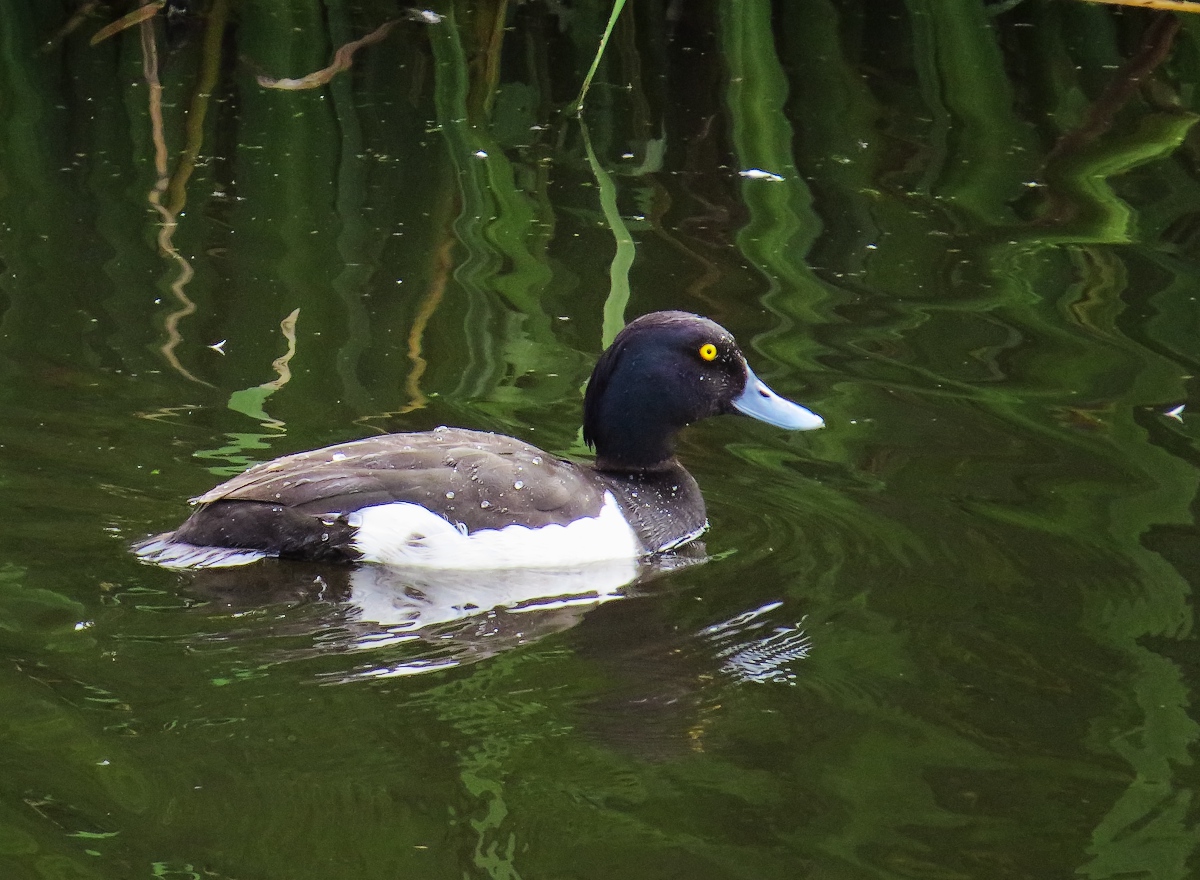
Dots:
(950, 636)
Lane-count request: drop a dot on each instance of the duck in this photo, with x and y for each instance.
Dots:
(454, 498)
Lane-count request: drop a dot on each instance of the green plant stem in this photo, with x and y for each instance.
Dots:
(577, 106)
(618, 270)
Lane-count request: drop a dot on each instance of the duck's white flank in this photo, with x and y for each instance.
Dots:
(407, 534)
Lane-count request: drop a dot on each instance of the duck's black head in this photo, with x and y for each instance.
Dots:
(664, 371)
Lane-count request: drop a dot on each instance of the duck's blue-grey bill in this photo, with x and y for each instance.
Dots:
(760, 402)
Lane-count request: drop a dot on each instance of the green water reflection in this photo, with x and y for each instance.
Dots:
(949, 636)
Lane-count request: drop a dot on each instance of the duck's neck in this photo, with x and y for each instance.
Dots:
(632, 431)
(632, 463)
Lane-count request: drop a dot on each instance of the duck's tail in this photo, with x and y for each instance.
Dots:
(164, 550)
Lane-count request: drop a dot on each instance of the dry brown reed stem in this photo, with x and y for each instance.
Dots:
(487, 62)
(443, 268)
(141, 15)
(210, 69)
(1156, 47)
(166, 231)
(81, 14)
(1164, 5)
(283, 372)
(342, 60)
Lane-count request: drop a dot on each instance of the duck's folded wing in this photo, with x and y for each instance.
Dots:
(481, 481)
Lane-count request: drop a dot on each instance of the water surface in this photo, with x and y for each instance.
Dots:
(948, 636)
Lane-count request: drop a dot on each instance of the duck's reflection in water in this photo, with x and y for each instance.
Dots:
(663, 683)
(396, 621)
(659, 680)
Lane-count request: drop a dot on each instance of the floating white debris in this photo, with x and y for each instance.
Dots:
(759, 174)
(481, 154)
(425, 16)
(1176, 413)
(219, 347)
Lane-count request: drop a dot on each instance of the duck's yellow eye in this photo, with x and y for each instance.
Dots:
(708, 351)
